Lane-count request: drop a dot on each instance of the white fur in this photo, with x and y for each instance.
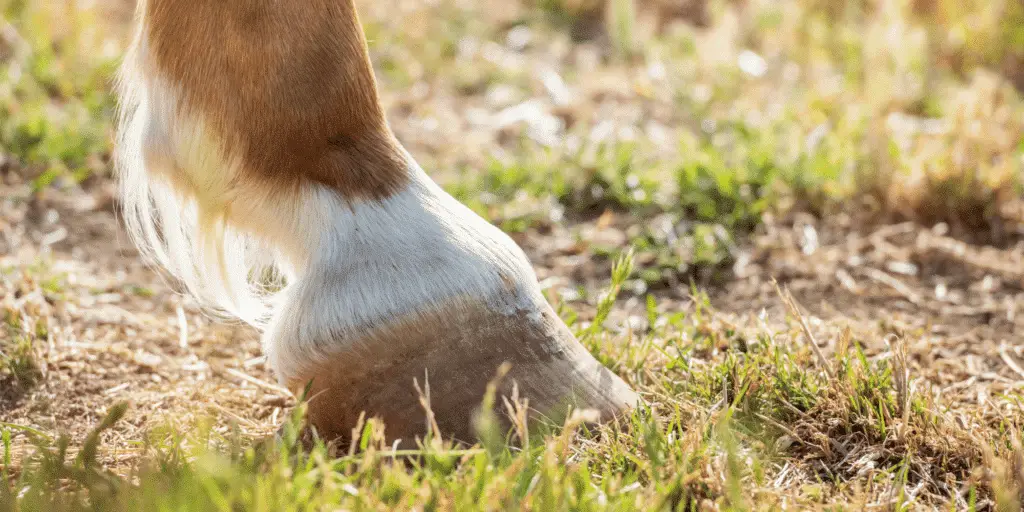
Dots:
(351, 266)
(371, 264)
(177, 192)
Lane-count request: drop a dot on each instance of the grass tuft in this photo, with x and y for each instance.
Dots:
(29, 300)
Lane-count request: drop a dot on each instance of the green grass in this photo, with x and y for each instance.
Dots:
(711, 433)
(55, 104)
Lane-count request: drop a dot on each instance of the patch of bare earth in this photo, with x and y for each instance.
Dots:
(116, 332)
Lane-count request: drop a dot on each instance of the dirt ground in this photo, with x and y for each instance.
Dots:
(122, 333)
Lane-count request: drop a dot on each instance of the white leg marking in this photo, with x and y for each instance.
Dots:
(369, 264)
(353, 267)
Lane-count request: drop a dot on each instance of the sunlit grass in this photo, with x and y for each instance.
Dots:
(55, 104)
(709, 434)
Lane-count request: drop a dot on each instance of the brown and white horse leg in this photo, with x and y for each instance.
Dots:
(252, 137)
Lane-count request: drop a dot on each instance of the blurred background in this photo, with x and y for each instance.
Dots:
(867, 154)
(698, 117)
